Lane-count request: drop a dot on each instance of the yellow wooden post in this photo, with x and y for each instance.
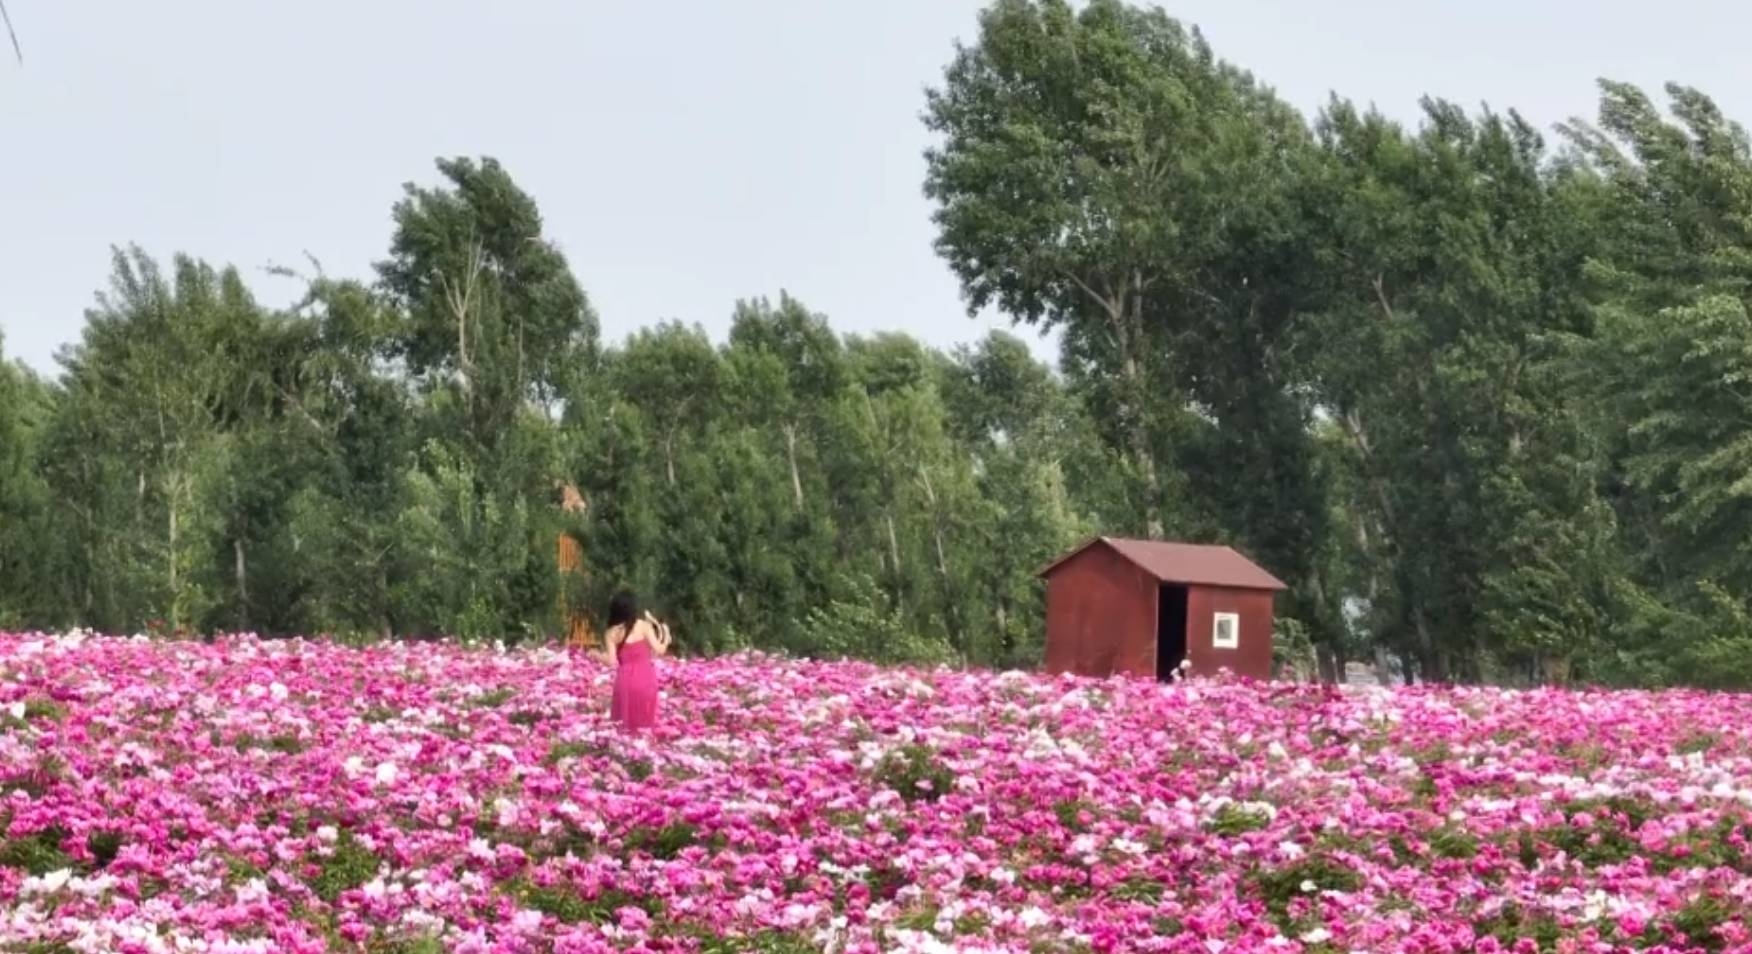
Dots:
(579, 634)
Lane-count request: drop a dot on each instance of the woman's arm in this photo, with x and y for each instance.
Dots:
(660, 638)
(610, 650)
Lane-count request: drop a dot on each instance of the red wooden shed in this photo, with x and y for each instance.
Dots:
(1139, 607)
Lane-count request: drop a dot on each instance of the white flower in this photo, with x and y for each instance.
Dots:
(1126, 846)
(251, 891)
(47, 884)
(16, 710)
(386, 773)
(278, 692)
(1317, 936)
(328, 834)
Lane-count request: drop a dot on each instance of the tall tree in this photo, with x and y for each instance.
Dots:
(1665, 373)
(29, 539)
(150, 404)
(1094, 166)
(1453, 262)
(491, 309)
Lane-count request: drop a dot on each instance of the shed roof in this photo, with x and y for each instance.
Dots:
(1186, 563)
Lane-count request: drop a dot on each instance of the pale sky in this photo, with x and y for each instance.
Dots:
(684, 155)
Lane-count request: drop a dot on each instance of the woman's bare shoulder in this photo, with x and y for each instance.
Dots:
(638, 632)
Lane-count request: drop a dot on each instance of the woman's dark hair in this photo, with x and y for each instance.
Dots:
(623, 609)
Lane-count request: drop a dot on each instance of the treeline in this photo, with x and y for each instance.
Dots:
(1484, 399)
(387, 458)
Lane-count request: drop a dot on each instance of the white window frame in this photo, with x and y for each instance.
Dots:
(1234, 640)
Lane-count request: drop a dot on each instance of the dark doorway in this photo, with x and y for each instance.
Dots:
(1170, 630)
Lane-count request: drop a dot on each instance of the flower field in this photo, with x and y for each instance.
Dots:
(298, 796)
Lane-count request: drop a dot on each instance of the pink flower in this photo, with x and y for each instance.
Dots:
(429, 791)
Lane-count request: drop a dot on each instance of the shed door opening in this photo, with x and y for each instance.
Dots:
(1170, 630)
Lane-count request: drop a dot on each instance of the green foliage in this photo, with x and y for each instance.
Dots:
(764, 942)
(564, 903)
(665, 843)
(38, 853)
(1102, 171)
(1454, 844)
(1277, 887)
(493, 698)
(1701, 920)
(347, 866)
(857, 626)
(1234, 820)
(1512, 923)
(104, 846)
(916, 772)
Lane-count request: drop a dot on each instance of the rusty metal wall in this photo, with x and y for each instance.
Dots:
(1101, 616)
(1252, 655)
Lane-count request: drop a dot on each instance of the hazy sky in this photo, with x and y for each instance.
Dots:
(684, 154)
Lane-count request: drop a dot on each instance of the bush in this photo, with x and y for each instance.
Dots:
(862, 626)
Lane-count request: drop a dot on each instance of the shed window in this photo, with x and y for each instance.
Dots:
(1226, 631)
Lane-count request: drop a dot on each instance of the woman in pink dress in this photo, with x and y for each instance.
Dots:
(634, 642)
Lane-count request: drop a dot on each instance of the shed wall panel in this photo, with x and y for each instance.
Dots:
(1101, 616)
(1252, 656)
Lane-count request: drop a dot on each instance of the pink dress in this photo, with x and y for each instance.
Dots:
(635, 687)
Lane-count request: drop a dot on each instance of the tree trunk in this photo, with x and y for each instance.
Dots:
(386, 625)
(1139, 435)
(669, 458)
(951, 614)
(1124, 306)
(1326, 663)
(1383, 667)
(1430, 662)
(791, 455)
(1557, 669)
(242, 572)
(893, 542)
(171, 574)
(86, 592)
